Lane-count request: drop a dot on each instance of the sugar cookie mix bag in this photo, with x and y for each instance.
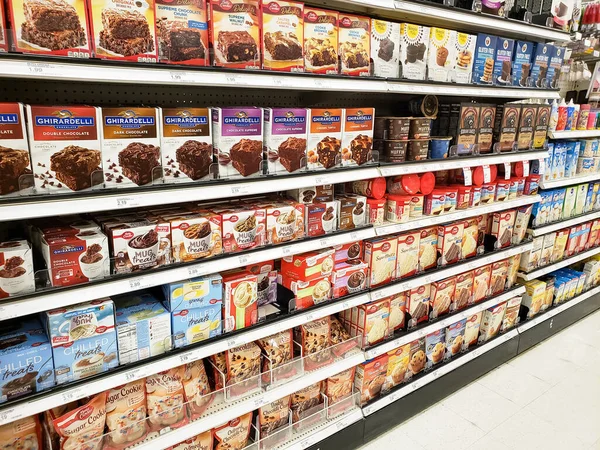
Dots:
(126, 415)
(84, 425)
(25, 434)
(196, 388)
(165, 396)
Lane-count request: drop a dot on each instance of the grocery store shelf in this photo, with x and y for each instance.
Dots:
(570, 181)
(60, 297)
(448, 271)
(106, 72)
(460, 162)
(421, 332)
(540, 231)
(575, 134)
(436, 373)
(427, 221)
(552, 267)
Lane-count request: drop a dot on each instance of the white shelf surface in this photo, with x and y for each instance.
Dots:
(558, 265)
(570, 181)
(574, 134)
(417, 334)
(565, 223)
(436, 373)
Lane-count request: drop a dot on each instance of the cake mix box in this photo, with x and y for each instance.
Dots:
(324, 138)
(502, 228)
(418, 357)
(235, 33)
(349, 278)
(440, 60)
(283, 35)
(186, 139)
(357, 136)
(522, 63)
(428, 248)
(463, 292)
(385, 48)
(435, 347)
(182, 32)
(16, 269)
(308, 266)
(481, 282)
(238, 141)
(472, 329)
(455, 337)
(408, 254)
(463, 55)
(131, 146)
(449, 245)
(511, 314)
(370, 377)
(503, 61)
(380, 254)
(414, 40)
(308, 292)
(483, 67)
(354, 45)
(397, 366)
(124, 31)
(541, 62)
(65, 148)
(418, 304)
(50, 28)
(15, 163)
(320, 40)
(285, 139)
(491, 322)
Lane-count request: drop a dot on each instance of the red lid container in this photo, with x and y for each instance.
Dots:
(427, 183)
(373, 188)
(404, 184)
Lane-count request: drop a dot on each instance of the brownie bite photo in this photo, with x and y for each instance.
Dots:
(138, 161)
(283, 31)
(320, 40)
(74, 166)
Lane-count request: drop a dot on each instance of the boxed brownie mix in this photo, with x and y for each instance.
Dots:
(123, 31)
(540, 131)
(522, 63)
(285, 139)
(52, 27)
(15, 165)
(65, 147)
(324, 138)
(3, 33)
(235, 33)
(506, 125)
(131, 146)
(357, 136)
(16, 268)
(414, 40)
(385, 48)
(540, 60)
(182, 32)
(238, 140)
(485, 133)
(282, 39)
(186, 137)
(354, 45)
(320, 40)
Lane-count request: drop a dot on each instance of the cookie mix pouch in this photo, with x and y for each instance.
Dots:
(279, 351)
(243, 368)
(22, 434)
(304, 400)
(202, 441)
(234, 434)
(315, 344)
(196, 389)
(218, 370)
(274, 416)
(83, 425)
(165, 396)
(126, 415)
(339, 386)
(340, 338)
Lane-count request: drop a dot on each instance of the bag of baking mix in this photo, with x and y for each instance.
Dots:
(49, 416)
(202, 441)
(233, 434)
(217, 370)
(22, 434)
(274, 416)
(166, 402)
(279, 351)
(339, 386)
(196, 389)
(304, 400)
(340, 338)
(84, 425)
(243, 368)
(315, 337)
(126, 415)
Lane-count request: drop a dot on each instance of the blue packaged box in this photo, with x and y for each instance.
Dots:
(558, 197)
(556, 60)
(483, 67)
(571, 158)
(589, 199)
(25, 359)
(548, 162)
(541, 209)
(541, 60)
(143, 327)
(522, 63)
(559, 161)
(503, 61)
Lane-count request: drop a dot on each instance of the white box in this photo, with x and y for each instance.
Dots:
(463, 57)
(385, 48)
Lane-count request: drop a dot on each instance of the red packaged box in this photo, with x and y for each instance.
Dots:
(283, 35)
(349, 278)
(3, 34)
(309, 292)
(308, 266)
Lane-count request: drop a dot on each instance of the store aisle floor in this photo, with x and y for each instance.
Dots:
(548, 398)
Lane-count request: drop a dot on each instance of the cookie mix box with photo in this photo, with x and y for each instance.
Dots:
(50, 28)
(64, 142)
(503, 61)
(235, 33)
(414, 40)
(357, 136)
(324, 138)
(16, 269)
(282, 35)
(385, 48)
(182, 32)
(522, 63)
(186, 139)
(483, 66)
(463, 55)
(320, 40)
(123, 31)
(354, 45)
(15, 167)
(238, 141)
(440, 60)
(285, 139)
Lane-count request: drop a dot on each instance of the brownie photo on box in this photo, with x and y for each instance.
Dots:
(360, 148)
(178, 42)
(354, 55)
(194, 159)
(246, 156)
(291, 151)
(52, 24)
(125, 32)
(283, 46)
(73, 166)
(320, 52)
(13, 164)
(237, 46)
(138, 161)
(327, 151)
(386, 49)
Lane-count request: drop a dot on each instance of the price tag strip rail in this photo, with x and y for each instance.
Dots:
(571, 181)
(558, 265)
(559, 225)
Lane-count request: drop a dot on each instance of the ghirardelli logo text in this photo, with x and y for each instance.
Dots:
(64, 119)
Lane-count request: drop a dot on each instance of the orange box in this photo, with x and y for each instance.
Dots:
(307, 266)
(324, 141)
(354, 45)
(284, 18)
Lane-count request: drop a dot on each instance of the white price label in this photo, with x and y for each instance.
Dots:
(36, 68)
(179, 76)
(320, 181)
(127, 202)
(487, 174)
(9, 414)
(231, 79)
(310, 317)
(341, 424)
(394, 397)
(193, 271)
(139, 283)
(258, 403)
(306, 443)
(239, 190)
(321, 83)
(468, 176)
(186, 357)
(507, 168)
(416, 385)
(542, 166)
(345, 305)
(287, 250)
(231, 343)
(354, 236)
(525, 168)
(243, 259)
(133, 375)
(324, 243)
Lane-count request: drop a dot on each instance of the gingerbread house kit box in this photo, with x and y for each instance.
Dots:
(320, 40)
(15, 163)
(285, 139)
(283, 29)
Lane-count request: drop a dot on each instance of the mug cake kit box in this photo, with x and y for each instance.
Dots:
(16, 269)
(485, 51)
(463, 57)
(503, 61)
(239, 300)
(357, 136)
(282, 35)
(414, 40)
(320, 40)
(285, 139)
(522, 63)
(349, 278)
(385, 48)
(354, 34)
(440, 61)
(321, 218)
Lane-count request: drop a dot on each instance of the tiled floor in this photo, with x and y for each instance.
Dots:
(548, 398)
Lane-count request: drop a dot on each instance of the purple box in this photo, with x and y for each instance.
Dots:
(285, 139)
(503, 61)
(483, 68)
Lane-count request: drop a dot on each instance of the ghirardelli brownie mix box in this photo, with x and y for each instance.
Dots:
(238, 141)
(541, 126)
(526, 126)
(182, 32)
(187, 151)
(123, 31)
(320, 40)
(131, 146)
(354, 45)
(285, 139)
(522, 63)
(464, 56)
(15, 164)
(414, 40)
(506, 125)
(65, 147)
(357, 136)
(487, 115)
(466, 136)
(503, 61)
(483, 68)
(385, 48)
(324, 138)
(235, 33)
(282, 39)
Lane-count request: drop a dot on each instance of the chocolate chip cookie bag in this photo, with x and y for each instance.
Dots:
(339, 387)
(234, 434)
(243, 368)
(126, 415)
(83, 428)
(202, 441)
(341, 341)
(315, 338)
(273, 417)
(23, 434)
(305, 402)
(165, 396)
(278, 352)
(196, 389)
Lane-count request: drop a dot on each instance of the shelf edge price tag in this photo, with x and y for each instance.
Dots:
(133, 375)
(487, 174)
(320, 181)
(525, 168)
(468, 175)
(193, 271)
(507, 167)
(9, 414)
(139, 283)
(239, 190)
(186, 357)
(286, 250)
(127, 202)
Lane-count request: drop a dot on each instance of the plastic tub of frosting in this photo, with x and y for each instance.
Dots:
(409, 184)
(373, 188)
(416, 206)
(376, 210)
(427, 183)
(439, 147)
(398, 208)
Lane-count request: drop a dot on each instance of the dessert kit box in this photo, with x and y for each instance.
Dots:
(239, 300)
(441, 54)
(182, 32)
(414, 40)
(556, 61)
(131, 146)
(321, 218)
(540, 132)
(195, 235)
(541, 61)
(522, 63)
(16, 269)
(285, 139)
(235, 33)
(65, 147)
(357, 136)
(354, 45)
(485, 132)
(123, 31)
(238, 140)
(53, 28)
(503, 61)
(320, 40)
(463, 57)
(485, 51)
(186, 138)
(242, 227)
(15, 163)
(282, 39)
(385, 48)
(324, 138)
